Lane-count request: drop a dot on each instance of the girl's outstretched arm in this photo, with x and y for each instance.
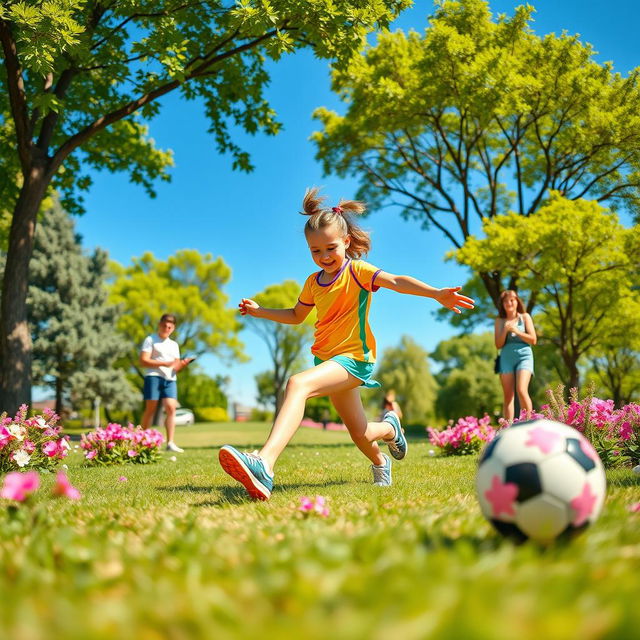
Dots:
(284, 316)
(448, 296)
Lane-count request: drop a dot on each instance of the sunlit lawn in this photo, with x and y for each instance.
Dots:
(177, 551)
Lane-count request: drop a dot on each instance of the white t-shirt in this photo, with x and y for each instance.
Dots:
(165, 350)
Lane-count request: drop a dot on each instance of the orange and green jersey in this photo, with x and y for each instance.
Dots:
(342, 305)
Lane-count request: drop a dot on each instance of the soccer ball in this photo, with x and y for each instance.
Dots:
(539, 480)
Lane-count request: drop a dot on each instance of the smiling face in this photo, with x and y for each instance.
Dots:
(510, 304)
(328, 247)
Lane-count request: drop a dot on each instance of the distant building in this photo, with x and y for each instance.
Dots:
(240, 412)
(47, 403)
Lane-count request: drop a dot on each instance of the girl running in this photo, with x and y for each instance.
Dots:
(344, 348)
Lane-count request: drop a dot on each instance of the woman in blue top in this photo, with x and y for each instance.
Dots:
(514, 334)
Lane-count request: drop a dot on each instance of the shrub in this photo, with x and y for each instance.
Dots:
(211, 414)
(615, 434)
(31, 443)
(116, 444)
(465, 437)
(261, 415)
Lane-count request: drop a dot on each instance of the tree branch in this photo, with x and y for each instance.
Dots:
(17, 97)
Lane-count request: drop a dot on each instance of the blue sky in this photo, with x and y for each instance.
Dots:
(251, 220)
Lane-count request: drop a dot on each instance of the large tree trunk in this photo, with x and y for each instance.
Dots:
(15, 338)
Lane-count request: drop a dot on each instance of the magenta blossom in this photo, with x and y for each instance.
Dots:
(317, 505)
(122, 479)
(18, 486)
(91, 454)
(63, 488)
(50, 448)
(635, 507)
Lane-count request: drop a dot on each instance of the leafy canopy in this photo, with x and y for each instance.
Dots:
(76, 67)
(479, 116)
(188, 284)
(578, 261)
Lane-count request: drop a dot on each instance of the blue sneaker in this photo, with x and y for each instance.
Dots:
(382, 473)
(249, 470)
(398, 446)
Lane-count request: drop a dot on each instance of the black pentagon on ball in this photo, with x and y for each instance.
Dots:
(509, 530)
(572, 531)
(488, 450)
(525, 476)
(575, 451)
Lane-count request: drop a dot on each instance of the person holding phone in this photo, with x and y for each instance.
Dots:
(161, 356)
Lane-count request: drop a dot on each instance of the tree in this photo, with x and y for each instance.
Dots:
(285, 342)
(467, 385)
(405, 369)
(579, 262)
(72, 324)
(188, 284)
(84, 78)
(480, 116)
(615, 367)
(197, 389)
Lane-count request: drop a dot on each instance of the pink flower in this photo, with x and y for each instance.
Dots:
(17, 486)
(28, 446)
(320, 507)
(90, 455)
(635, 507)
(50, 448)
(122, 479)
(132, 453)
(63, 488)
(307, 506)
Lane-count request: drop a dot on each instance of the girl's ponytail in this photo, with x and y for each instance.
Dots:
(320, 217)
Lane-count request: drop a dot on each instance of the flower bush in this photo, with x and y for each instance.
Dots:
(31, 443)
(466, 436)
(115, 444)
(614, 433)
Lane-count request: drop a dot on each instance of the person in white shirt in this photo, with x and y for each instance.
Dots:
(161, 356)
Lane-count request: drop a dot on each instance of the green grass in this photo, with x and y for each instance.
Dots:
(177, 552)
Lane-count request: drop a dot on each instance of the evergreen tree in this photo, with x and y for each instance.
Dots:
(72, 327)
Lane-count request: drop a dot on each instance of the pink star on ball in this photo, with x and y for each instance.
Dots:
(501, 496)
(543, 439)
(583, 505)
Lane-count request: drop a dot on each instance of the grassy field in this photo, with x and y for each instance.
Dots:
(177, 551)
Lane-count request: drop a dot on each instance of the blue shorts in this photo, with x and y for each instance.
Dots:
(361, 370)
(157, 388)
(516, 357)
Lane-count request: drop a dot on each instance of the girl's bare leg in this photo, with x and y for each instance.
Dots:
(323, 380)
(364, 434)
(508, 391)
(523, 378)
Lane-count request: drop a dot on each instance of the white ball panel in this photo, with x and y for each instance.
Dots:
(517, 447)
(542, 518)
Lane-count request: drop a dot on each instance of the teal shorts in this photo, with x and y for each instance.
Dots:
(516, 357)
(361, 370)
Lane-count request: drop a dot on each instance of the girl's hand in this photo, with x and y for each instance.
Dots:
(510, 325)
(450, 298)
(248, 307)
